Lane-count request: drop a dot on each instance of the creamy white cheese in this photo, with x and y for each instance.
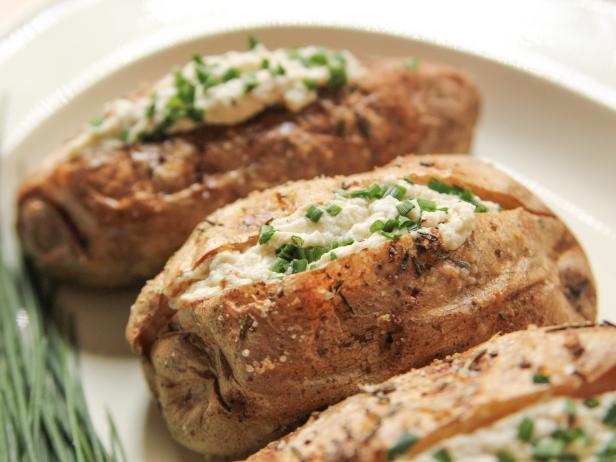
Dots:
(223, 90)
(485, 444)
(453, 220)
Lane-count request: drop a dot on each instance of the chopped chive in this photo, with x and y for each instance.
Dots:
(278, 70)
(426, 204)
(337, 76)
(151, 109)
(480, 208)
(408, 180)
(250, 85)
(390, 225)
(439, 186)
(342, 193)
(97, 121)
(314, 214)
(504, 456)
(287, 251)
(406, 441)
(298, 241)
(610, 417)
(540, 378)
(591, 403)
(252, 42)
(280, 265)
(525, 430)
(198, 59)
(333, 209)
(265, 233)
(442, 455)
(333, 256)
(345, 242)
(388, 235)
(315, 253)
(396, 191)
(405, 207)
(547, 448)
(318, 59)
(404, 222)
(311, 84)
(411, 64)
(230, 74)
(124, 135)
(299, 265)
(376, 226)
(265, 63)
(570, 407)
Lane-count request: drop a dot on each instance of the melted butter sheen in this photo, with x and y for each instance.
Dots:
(220, 90)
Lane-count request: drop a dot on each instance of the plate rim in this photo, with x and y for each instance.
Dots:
(183, 33)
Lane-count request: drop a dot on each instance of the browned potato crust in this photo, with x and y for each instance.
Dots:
(314, 336)
(114, 217)
(458, 395)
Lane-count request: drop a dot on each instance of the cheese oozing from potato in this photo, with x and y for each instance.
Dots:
(349, 222)
(222, 90)
(560, 429)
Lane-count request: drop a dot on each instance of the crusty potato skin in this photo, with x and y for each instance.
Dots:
(117, 216)
(458, 395)
(313, 337)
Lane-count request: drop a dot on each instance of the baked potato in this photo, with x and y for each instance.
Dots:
(281, 303)
(542, 394)
(113, 215)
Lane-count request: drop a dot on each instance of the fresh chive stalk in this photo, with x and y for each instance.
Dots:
(43, 412)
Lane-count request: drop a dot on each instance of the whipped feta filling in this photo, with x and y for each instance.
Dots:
(560, 429)
(221, 90)
(316, 234)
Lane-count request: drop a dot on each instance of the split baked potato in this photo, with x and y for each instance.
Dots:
(542, 394)
(113, 216)
(282, 303)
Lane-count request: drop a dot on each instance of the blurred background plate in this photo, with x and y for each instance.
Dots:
(559, 141)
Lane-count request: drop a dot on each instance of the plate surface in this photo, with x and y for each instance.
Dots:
(560, 143)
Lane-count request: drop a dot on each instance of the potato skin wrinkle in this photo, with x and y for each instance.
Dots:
(458, 395)
(313, 337)
(118, 214)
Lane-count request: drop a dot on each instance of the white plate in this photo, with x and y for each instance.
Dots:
(558, 142)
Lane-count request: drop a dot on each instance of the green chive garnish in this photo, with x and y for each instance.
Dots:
(540, 378)
(252, 42)
(504, 456)
(265, 233)
(298, 241)
(610, 417)
(426, 204)
(405, 442)
(333, 209)
(408, 180)
(231, 73)
(405, 207)
(591, 403)
(314, 214)
(525, 430)
(376, 226)
(265, 63)
(442, 455)
(299, 265)
(332, 256)
(547, 448)
(280, 265)
(439, 186)
(396, 191)
(124, 135)
(311, 84)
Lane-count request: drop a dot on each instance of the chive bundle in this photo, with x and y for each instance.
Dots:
(43, 412)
